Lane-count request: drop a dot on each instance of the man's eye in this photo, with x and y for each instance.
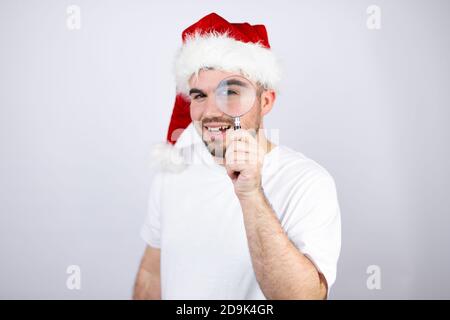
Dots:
(227, 93)
(198, 96)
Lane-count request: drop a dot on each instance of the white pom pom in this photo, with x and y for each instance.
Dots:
(167, 157)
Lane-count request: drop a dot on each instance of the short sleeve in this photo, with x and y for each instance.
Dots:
(151, 229)
(316, 225)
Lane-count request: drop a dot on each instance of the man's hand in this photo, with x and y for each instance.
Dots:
(244, 159)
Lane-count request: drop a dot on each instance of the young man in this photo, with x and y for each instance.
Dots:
(239, 217)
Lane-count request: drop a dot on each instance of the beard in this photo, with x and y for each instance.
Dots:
(216, 148)
(216, 145)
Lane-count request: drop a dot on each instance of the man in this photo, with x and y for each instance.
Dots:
(239, 217)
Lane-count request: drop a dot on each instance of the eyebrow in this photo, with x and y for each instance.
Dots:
(235, 82)
(230, 82)
(195, 90)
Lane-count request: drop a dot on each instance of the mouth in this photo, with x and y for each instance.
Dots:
(216, 130)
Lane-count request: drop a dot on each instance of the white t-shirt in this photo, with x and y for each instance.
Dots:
(195, 218)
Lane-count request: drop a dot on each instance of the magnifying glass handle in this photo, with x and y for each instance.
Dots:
(237, 126)
(237, 123)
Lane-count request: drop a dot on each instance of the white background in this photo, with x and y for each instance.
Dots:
(80, 109)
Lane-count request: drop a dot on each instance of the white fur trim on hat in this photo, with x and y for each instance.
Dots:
(222, 52)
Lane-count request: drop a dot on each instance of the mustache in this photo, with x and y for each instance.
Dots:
(217, 119)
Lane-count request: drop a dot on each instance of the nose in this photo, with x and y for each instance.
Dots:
(211, 107)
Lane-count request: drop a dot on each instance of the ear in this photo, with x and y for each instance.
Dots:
(267, 100)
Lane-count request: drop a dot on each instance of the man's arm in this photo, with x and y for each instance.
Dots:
(282, 271)
(148, 280)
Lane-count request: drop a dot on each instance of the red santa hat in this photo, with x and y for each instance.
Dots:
(213, 42)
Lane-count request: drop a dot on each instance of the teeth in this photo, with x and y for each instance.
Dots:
(217, 129)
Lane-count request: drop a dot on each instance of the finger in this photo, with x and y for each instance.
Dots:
(239, 151)
(241, 146)
(236, 157)
(239, 135)
(233, 168)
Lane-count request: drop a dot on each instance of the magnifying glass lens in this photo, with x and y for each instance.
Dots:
(235, 96)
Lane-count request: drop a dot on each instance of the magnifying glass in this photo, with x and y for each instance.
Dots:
(235, 96)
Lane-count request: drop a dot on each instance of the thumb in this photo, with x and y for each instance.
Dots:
(232, 174)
